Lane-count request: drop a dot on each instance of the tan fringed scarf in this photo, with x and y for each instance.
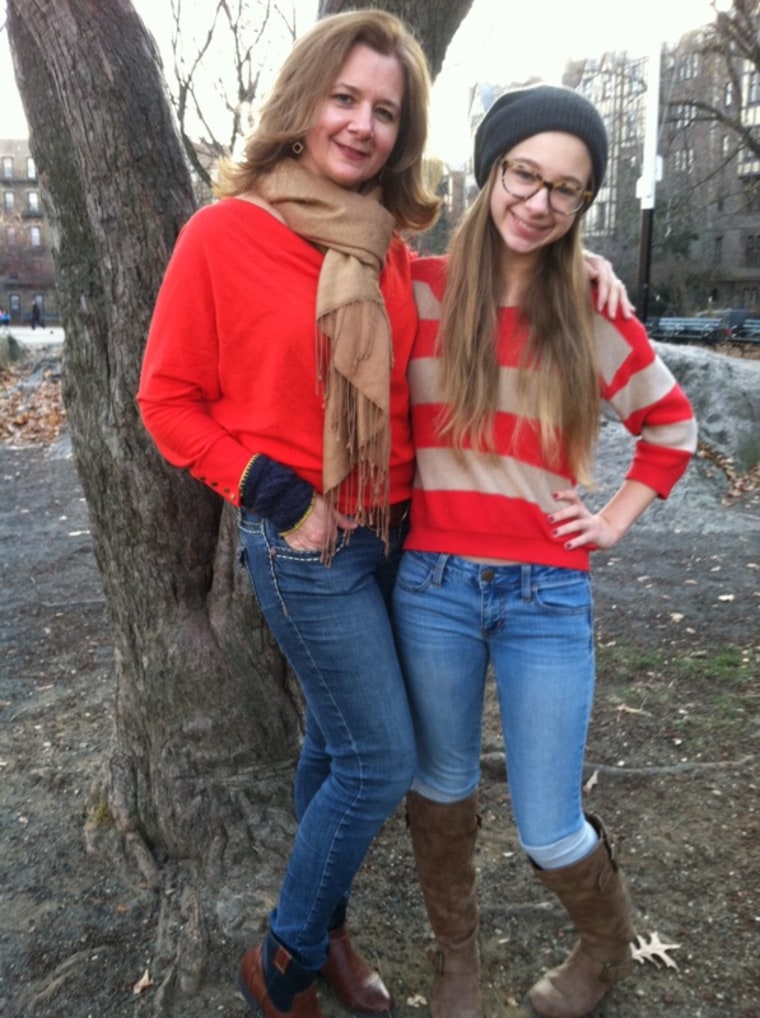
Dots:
(354, 352)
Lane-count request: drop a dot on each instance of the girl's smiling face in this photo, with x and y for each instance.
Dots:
(527, 225)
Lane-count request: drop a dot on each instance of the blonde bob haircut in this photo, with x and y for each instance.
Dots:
(304, 80)
(558, 379)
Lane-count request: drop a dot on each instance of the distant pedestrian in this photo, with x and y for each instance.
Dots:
(36, 317)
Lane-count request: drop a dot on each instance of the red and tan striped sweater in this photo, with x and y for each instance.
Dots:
(469, 504)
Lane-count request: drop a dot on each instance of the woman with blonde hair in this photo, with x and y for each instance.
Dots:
(507, 376)
(275, 372)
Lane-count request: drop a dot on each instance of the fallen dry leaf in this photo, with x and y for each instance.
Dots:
(31, 417)
(143, 983)
(655, 951)
(625, 709)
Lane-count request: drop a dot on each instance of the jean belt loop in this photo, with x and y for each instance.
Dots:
(526, 582)
(440, 568)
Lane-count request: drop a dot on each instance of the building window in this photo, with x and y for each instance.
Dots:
(600, 216)
(7, 167)
(35, 236)
(33, 202)
(753, 93)
(688, 66)
(31, 169)
(683, 160)
(9, 201)
(751, 194)
(10, 236)
(682, 116)
(752, 251)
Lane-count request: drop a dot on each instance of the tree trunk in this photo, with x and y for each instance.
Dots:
(207, 717)
(206, 720)
(433, 22)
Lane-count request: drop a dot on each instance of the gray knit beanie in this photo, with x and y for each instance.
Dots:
(521, 113)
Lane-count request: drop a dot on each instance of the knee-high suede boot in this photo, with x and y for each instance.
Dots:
(595, 896)
(443, 837)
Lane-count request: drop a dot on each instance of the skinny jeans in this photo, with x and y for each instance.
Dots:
(534, 625)
(358, 755)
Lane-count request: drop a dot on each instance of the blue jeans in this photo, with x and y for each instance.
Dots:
(358, 756)
(534, 625)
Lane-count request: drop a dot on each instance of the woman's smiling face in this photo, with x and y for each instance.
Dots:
(358, 120)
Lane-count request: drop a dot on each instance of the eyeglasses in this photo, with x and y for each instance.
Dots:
(521, 181)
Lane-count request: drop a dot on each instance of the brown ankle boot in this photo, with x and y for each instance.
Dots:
(355, 983)
(274, 985)
(594, 894)
(443, 837)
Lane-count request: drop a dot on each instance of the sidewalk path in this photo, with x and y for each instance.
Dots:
(45, 335)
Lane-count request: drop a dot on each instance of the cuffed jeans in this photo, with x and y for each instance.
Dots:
(358, 756)
(534, 624)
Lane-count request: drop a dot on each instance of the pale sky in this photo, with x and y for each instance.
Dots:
(499, 42)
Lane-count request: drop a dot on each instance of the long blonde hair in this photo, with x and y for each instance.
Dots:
(558, 379)
(305, 79)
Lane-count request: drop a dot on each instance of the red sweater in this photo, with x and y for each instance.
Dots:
(469, 506)
(230, 365)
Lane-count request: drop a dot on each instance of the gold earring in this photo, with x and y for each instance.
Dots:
(296, 148)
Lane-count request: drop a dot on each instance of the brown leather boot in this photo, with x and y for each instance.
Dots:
(355, 983)
(443, 837)
(594, 894)
(274, 985)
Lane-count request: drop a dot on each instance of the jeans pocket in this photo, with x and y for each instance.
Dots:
(563, 592)
(263, 530)
(417, 572)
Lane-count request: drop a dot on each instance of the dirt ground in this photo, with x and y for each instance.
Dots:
(672, 768)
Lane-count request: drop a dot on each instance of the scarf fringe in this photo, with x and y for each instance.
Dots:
(357, 398)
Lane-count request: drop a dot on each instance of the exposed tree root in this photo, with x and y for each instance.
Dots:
(202, 903)
(493, 765)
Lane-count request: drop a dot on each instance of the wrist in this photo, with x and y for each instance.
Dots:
(304, 518)
(615, 530)
(275, 491)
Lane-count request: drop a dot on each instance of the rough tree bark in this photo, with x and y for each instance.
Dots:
(206, 717)
(433, 23)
